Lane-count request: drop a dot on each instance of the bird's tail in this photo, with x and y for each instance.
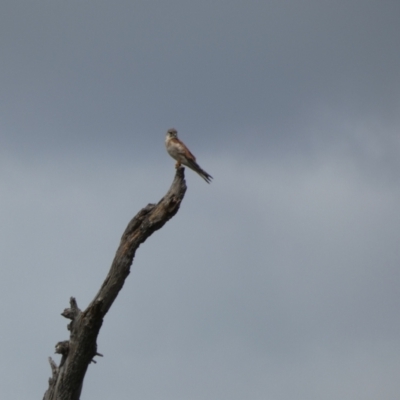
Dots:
(205, 175)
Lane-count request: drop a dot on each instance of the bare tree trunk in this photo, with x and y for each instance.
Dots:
(78, 352)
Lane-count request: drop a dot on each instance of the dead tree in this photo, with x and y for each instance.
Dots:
(81, 348)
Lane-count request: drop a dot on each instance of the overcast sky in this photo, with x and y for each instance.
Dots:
(278, 281)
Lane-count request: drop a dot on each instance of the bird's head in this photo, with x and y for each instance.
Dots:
(172, 133)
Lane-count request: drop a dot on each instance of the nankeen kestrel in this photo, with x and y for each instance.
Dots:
(177, 150)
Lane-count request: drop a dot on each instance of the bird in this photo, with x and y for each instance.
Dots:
(178, 151)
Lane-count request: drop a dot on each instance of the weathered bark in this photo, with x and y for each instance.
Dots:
(78, 352)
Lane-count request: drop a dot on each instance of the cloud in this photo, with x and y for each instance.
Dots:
(278, 280)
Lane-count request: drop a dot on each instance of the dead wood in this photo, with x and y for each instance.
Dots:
(81, 348)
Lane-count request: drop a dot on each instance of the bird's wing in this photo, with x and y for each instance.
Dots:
(183, 149)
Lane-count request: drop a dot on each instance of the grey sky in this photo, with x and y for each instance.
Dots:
(277, 281)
